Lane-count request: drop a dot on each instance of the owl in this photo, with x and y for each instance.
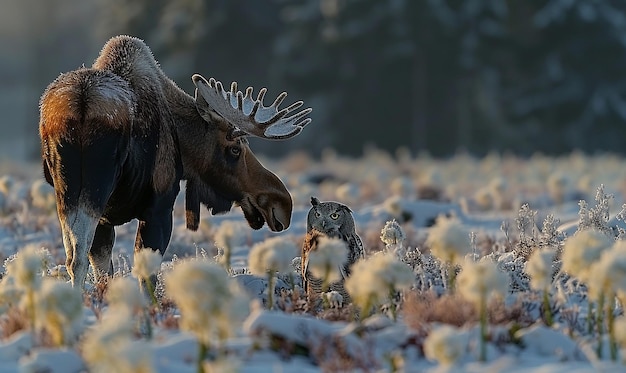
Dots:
(334, 220)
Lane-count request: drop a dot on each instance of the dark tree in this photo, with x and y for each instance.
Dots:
(433, 75)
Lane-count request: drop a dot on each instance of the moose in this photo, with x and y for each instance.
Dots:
(117, 139)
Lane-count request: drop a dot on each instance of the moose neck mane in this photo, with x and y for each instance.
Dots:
(192, 131)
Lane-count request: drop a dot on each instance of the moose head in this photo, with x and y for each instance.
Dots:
(234, 173)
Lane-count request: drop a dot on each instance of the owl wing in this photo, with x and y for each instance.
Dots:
(356, 252)
(344, 269)
(360, 249)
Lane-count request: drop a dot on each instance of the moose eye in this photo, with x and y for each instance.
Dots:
(235, 151)
(334, 216)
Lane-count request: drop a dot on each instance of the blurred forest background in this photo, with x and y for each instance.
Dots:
(434, 76)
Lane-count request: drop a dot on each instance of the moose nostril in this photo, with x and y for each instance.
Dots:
(278, 226)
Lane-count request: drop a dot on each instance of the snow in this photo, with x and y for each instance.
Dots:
(294, 338)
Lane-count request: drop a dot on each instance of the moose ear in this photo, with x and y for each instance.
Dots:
(314, 201)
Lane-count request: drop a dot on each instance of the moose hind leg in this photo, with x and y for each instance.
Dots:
(101, 249)
(78, 226)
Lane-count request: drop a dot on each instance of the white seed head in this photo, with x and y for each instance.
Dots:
(374, 278)
(324, 262)
(609, 272)
(539, 268)
(448, 240)
(59, 309)
(210, 302)
(445, 344)
(124, 292)
(583, 249)
(28, 267)
(479, 281)
(273, 254)
(147, 263)
(392, 233)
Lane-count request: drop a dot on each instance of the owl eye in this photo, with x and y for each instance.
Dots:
(334, 216)
(317, 214)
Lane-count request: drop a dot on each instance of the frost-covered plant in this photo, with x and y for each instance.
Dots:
(125, 293)
(42, 195)
(539, 268)
(59, 308)
(596, 217)
(376, 278)
(557, 187)
(527, 231)
(478, 282)
(7, 183)
(581, 250)
(483, 199)
(210, 302)
(403, 187)
(147, 264)
(428, 273)
(4, 203)
(224, 365)
(27, 269)
(446, 344)
(392, 236)
(620, 335)
(227, 237)
(580, 254)
(551, 237)
(9, 294)
(109, 345)
(28, 266)
(497, 188)
(449, 241)
(326, 263)
(393, 207)
(514, 266)
(271, 256)
(333, 298)
(608, 279)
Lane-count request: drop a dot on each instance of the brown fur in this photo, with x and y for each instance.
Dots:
(131, 59)
(126, 108)
(62, 106)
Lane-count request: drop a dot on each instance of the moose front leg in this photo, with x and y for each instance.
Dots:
(101, 249)
(153, 235)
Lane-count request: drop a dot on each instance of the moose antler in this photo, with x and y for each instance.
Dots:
(249, 116)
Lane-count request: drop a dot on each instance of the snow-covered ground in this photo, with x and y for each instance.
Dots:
(511, 206)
